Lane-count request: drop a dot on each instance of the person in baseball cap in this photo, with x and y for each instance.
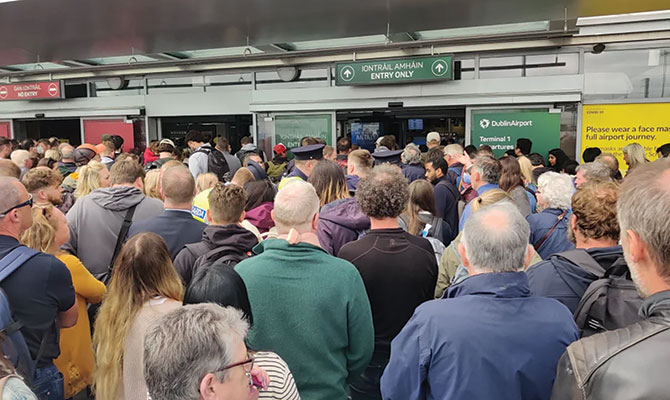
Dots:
(433, 139)
(277, 166)
(85, 153)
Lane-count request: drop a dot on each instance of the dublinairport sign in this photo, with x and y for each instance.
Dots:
(500, 129)
(394, 71)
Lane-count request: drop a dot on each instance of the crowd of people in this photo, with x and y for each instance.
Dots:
(331, 272)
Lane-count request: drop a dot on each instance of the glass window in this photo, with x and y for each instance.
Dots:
(627, 74)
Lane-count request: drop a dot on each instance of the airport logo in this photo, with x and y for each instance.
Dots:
(484, 123)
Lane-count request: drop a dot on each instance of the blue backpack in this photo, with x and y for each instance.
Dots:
(14, 346)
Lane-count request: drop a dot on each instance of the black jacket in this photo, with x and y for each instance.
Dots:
(233, 237)
(628, 363)
(560, 279)
(446, 203)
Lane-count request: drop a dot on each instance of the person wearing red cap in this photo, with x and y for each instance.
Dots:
(277, 165)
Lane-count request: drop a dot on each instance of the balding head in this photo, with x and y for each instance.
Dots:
(16, 221)
(178, 185)
(19, 157)
(67, 153)
(495, 240)
(296, 205)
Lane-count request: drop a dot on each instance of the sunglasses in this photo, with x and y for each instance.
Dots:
(28, 203)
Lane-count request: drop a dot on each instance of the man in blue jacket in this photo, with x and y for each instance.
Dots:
(485, 176)
(595, 231)
(487, 338)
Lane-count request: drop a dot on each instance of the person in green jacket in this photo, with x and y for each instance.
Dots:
(309, 307)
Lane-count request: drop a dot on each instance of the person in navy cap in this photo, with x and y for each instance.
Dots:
(306, 158)
(387, 156)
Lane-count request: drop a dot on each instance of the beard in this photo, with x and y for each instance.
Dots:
(56, 200)
(637, 280)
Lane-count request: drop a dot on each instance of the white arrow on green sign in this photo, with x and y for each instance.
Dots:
(394, 71)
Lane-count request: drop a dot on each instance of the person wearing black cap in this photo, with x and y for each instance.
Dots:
(388, 156)
(306, 158)
(523, 147)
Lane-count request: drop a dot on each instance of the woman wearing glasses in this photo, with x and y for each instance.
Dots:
(47, 234)
(144, 285)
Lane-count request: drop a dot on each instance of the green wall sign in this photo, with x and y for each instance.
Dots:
(394, 71)
(501, 129)
(289, 129)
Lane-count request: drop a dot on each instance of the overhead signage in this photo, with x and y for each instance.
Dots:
(31, 91)
(403, 70)
(611, 127)
(291, 129)
(501, 129)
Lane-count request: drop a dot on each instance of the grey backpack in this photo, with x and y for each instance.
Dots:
(611, 301)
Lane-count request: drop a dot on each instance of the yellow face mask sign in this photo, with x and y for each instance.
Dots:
(611, 127)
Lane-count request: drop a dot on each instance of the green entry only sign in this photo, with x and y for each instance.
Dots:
(394, 71)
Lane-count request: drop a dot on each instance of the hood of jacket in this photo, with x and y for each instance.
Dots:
(117, 198)
(347, 213)
(260, 216)
(233, 236)
(248, 147)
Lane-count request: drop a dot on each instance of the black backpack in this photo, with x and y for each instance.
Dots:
(221, 255)
(216, 163)
(611, 301)
(14, 346)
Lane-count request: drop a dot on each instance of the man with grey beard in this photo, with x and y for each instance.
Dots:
(631, 363)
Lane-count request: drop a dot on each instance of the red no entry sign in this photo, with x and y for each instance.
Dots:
(31, 91)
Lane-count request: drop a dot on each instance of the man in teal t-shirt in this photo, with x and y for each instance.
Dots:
(309, 307)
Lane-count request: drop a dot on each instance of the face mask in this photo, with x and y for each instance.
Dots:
(466, 178)
(40, 150)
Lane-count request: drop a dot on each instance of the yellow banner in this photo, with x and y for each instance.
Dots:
(611, 127)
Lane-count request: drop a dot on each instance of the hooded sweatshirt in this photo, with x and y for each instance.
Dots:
(234, 238)
(341, 222)
(261, 217)
(95, 222)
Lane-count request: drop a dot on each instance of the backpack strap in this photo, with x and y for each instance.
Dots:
(123, 234)
(553, 227)
(14, 259)
(583, 259)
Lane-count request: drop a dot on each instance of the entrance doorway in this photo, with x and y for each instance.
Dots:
(67, 129)
(232, 127)
(407, 125)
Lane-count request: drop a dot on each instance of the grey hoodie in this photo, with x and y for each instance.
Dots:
(95, 222)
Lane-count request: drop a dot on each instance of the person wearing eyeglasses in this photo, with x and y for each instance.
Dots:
(197, 352)
(39, 291)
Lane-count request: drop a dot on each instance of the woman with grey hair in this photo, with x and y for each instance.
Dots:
(411, 163)
(548, 229)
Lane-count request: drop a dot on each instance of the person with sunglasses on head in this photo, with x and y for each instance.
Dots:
(39, 291)
(197, 352)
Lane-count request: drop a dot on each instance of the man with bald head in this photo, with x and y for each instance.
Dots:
(309, 307)
(8, 168)
(175, 225)
(40, 290)
(66, 166)
(489, 323)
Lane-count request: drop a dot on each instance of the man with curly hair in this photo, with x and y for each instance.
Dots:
(399, 269)
(594, 230)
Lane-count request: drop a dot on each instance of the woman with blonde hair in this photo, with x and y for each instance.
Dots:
(89, 177)
(47, 234)
(341, 219)
(144, 285)
(205, 181)
(633, 155)
(151, 180)
(451, 271)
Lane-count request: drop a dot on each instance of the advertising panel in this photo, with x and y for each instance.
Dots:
(611, 127)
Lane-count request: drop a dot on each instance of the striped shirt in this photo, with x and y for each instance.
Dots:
(282, 386)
